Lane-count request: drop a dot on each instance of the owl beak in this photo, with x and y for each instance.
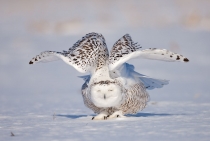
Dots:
(104, 96)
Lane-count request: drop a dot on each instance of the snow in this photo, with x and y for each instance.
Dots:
(43, 101)
(159, 121)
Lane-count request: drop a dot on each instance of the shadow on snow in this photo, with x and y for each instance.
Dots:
(148, 114)
(72, 116)
(129, 115)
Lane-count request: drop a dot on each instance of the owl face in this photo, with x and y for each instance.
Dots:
(106, 95)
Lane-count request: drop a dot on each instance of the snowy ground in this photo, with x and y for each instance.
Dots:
(160, 121)
(43, 101)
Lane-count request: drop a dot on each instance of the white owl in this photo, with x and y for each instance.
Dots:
(113, 88)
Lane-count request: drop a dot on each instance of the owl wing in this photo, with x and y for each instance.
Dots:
(86, 78)
(125, 49)
(151, 83)
(127, 71)
(82, 56)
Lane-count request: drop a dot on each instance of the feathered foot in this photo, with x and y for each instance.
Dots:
(101, 116)
(116, 114)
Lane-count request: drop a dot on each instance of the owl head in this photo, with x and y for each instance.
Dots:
(106, 94)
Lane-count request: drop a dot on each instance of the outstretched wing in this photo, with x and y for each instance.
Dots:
(125, 49)
(127, 71)
(151, 83)
(83, 56)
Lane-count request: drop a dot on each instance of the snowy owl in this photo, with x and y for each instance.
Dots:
(113, 89)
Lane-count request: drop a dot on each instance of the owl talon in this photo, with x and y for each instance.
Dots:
(116, 114)
(101, 116)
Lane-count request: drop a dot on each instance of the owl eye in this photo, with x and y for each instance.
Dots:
(110, 90)
(98, 90)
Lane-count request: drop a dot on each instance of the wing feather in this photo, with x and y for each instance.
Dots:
(151, 83)
(125, 49)
(83, 55)
(49, 56)
(127, 71)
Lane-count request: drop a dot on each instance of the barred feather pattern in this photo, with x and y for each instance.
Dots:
(122, 47)
(88, 54)
(136, 99)
(90, 51)
(86, 99)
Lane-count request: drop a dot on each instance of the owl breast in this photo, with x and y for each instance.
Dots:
(106, 95)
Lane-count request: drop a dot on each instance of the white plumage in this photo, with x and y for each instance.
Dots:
(113, 88)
